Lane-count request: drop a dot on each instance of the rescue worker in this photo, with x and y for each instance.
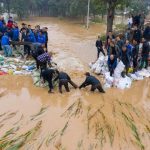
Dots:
(41, 38)
(93, 81)
(112, 64)
(45, 32)
(6, 45)
(137, 34)
(47, 75)
(99, 45)
(64, 79)
(125, 58)
(37, 52)
(135, 52)
(43, 60)
(145, 53)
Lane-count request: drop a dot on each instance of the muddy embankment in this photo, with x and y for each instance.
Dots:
(31, 119)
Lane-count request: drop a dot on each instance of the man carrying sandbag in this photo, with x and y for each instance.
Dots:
(94, 82)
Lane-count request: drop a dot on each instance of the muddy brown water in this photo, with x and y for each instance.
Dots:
(79, 120)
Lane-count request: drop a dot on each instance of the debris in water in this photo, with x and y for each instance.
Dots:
(42, 110)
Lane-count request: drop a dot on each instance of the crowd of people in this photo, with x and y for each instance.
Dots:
(10, 31)
(124, 48)
(132, 47)
(35, 44)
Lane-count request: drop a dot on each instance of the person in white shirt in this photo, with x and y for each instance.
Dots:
(130, 22)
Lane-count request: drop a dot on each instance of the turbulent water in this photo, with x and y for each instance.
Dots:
(31, 119)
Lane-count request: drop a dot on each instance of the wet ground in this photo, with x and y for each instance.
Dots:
(31, 119)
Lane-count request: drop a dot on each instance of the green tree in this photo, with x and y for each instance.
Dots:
(139, 7)
(98, 7)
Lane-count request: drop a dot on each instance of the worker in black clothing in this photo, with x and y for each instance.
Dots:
(135, 52)
(113, 49)
(145, 53)
(64, 79)
(137, 34)
(94, 82)
(47, 75)
(110, 36)
(45, 32)
(125, 58)
(25, 38)
(112, 64)
(99, 45)
(146, 33)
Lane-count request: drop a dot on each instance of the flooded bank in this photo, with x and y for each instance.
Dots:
(32, 119)
(115, 120)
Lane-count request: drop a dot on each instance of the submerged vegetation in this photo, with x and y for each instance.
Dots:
(102, 127)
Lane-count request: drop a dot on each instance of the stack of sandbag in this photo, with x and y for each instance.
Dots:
(100, 66)
(16, 66)
(123, 83)
(144, 73)
(1, 60)
(136, 77)
(37, 80)
(109, 81)
(119, 81)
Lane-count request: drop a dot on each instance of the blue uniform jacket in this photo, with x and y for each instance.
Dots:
(41, 39)
(15, 34)
(5, 40)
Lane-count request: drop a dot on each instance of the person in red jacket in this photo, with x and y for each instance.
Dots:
(10, 22)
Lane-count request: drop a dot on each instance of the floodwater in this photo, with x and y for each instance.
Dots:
(31, 119)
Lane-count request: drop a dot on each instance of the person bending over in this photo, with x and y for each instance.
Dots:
(37, 52)
(47, 75)
(125, 58)
(64, 79)
(44, 59)
(94, 82)
(112, 64)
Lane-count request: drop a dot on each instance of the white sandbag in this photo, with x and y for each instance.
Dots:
(5, 66)
(18, 73)
(24, 67)
(144, 73)
(94, 67)
(98, 70)
(123, 83)
(119, 69)
(90, 65)
(107, 86)
(109, 79)
(13, 66)
(135, 77)
(36, 79)
(4, 70)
